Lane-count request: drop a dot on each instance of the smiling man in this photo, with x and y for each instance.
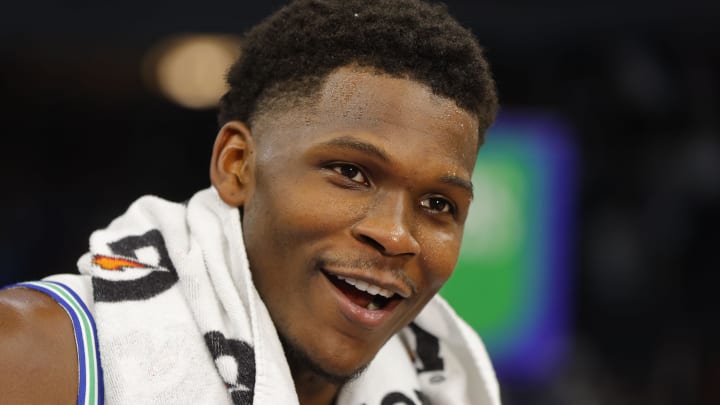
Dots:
(308, 272)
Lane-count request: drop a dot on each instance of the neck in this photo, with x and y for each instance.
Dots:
(313, 384)
(313, 389)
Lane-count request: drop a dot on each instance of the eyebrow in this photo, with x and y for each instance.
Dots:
(358, 145)
(460, 182)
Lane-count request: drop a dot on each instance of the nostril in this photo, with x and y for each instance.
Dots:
(372, 242)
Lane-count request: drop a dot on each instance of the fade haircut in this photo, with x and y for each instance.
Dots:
(286, 58)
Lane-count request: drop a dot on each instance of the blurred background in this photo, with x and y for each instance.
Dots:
(615, 102)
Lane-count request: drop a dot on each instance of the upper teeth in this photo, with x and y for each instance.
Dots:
(368, 288)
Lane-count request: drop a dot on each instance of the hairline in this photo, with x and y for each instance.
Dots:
(280, 102)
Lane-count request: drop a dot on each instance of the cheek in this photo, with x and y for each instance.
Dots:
(440, 255)
(286, 215)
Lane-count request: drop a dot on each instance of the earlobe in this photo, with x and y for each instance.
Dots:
(232, 167)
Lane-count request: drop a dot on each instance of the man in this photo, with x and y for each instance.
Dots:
(308, 272)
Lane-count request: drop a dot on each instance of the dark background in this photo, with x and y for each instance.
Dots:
(639, 81)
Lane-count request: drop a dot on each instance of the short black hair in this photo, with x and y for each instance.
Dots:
(288, 55)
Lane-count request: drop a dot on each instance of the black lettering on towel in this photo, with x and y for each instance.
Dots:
(242, 389)
(428, 350)
(395, 398)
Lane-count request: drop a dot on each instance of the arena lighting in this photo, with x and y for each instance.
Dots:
(190, 69)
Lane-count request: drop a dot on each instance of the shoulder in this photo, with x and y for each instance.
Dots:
(37, 348)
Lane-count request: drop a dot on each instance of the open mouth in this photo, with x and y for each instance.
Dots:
(363, 294)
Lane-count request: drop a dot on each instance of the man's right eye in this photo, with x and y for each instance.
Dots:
(350, 171)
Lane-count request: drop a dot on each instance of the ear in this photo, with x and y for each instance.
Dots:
(232, 167)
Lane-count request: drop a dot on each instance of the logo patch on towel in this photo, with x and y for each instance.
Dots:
(139, 268)
(117, 263)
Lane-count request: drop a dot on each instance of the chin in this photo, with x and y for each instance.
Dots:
(300, 361)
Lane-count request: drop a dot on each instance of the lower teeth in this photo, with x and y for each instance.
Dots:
(372, 307)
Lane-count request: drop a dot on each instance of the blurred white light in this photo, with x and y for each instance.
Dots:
(190, 70)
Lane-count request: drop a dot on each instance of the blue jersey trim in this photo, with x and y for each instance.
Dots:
(90, 381)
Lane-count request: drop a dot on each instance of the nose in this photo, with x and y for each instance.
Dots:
(386, 227)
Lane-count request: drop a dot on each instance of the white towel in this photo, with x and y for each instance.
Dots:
(179, 321)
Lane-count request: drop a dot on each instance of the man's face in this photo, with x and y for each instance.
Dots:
(367, 189)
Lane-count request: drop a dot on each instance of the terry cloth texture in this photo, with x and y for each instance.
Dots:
(179, 321)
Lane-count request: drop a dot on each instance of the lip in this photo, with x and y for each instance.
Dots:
(356, 314)
(390, 285)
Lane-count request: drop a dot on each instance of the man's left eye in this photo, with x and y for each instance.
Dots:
(437, 204)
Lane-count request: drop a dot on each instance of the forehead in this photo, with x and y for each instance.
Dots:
(395, 110)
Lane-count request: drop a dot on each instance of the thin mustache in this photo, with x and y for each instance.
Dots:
(366, 264)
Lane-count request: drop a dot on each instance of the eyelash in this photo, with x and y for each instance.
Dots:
(351, 171)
